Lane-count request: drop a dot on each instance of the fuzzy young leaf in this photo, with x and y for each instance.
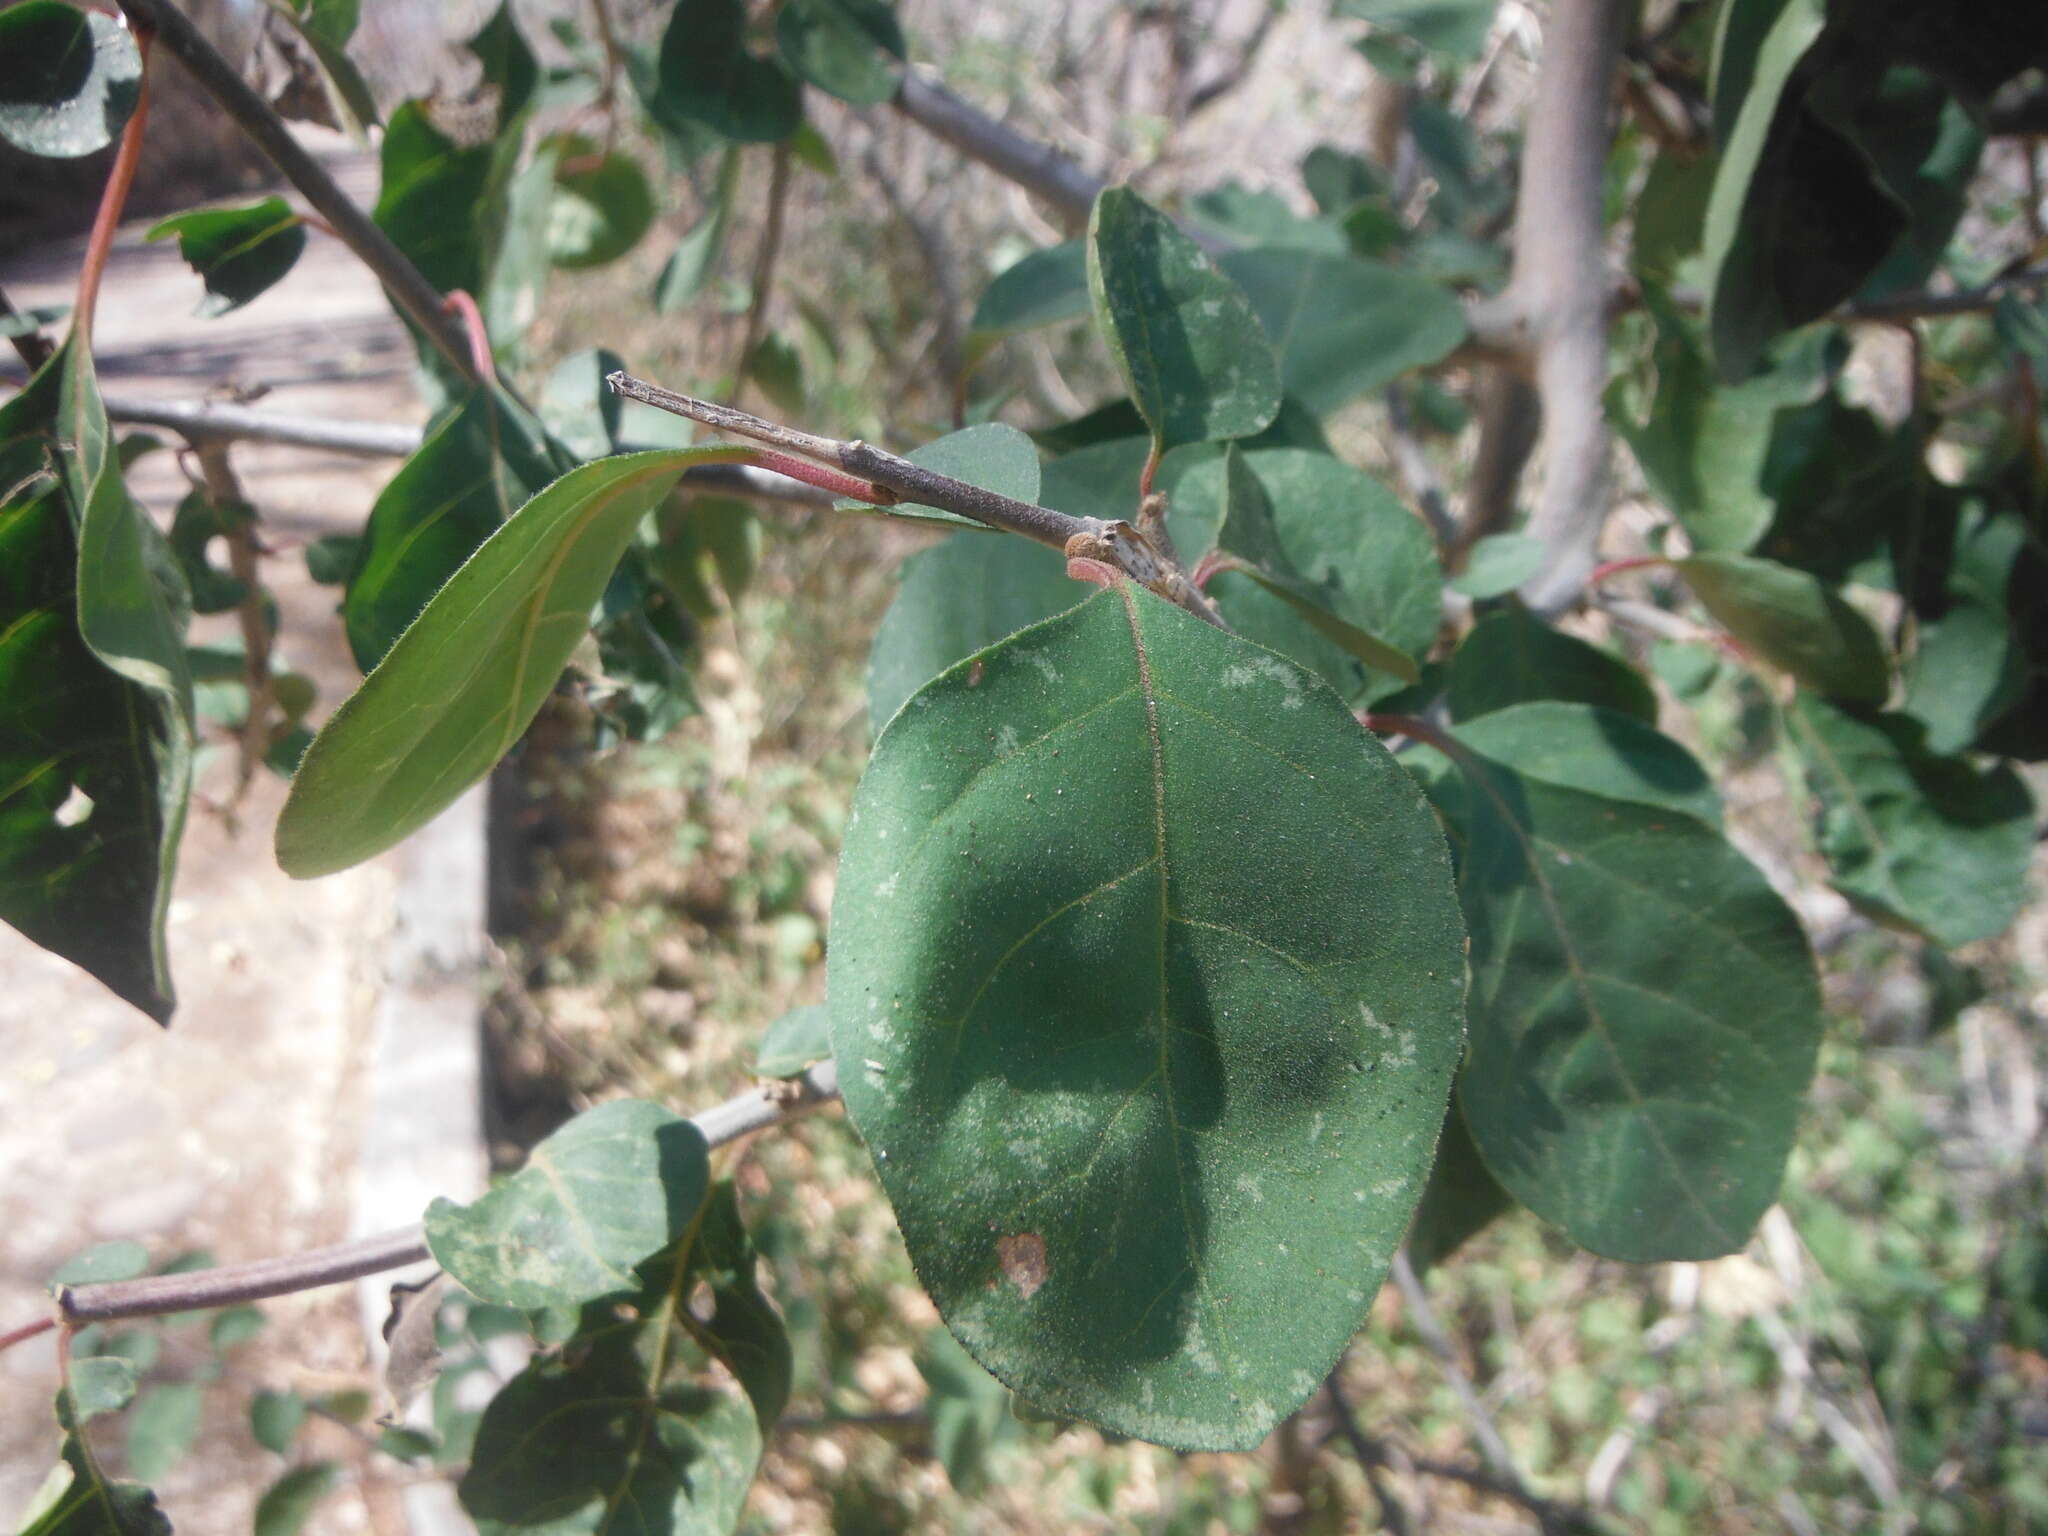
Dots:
(629, 1429)
(68, 79)
(1152, 1112)
(237, 252)
(1932, 842)
(1342, 327)
(1512, 657)
(613, 1187)
(1184, 336)
(852, 49)
(1794, 621)
(709, 77)
(101, 1384)
(1644, 1017)
(468, 676)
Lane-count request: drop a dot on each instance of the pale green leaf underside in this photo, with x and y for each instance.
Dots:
(1644, 1018)
(611, 1188)
(468, 676)
(1145, 988)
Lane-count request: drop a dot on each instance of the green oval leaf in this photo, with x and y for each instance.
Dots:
(613, 1187)
(1183, 335)
(275, 1419)
(289, 1502)
(1602, 751)
(992, 455)
(237, 252)
(1145, 984)
(1644, 1017)
(122, 1259)
(162, 1427)
(794, 1041)
(95, 696)
(1498, 564)
(624, 1429)
(75, 1500)
(1343, 327)
(467, 677)
(601, 205)
(68, 79)
(1040, 288)
(1932, 842)
(707, 76)
(852, 49)
(101, 1384)
(1512, 657)
(1794, 621)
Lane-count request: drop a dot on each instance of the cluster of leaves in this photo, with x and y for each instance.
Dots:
(1149, 986)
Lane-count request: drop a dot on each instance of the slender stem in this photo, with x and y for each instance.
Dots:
(764, 268)
(408, 288)
(1372, 1458)
(1492, 1447)
(100, 244)
(909, 481)
(463, 308)
(756, 1109)
(1934, 306)
(224, 490)
(14, 1336)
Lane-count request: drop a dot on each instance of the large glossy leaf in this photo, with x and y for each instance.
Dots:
(1512, 657)
(709, 77)
(1644, 1017)
(68, 79)
(852, 49)
(95, 732)
(237, 252)
(613, 1187)
(1183, 335)
(470, 673)
(78, 1500)
(635, 1427)
(468, 476)
(1934, 843)
(1344, 327)
(1145, 983)
(1793, 621)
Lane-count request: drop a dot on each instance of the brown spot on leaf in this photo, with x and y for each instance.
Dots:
(974, 675)
(1023, 1259)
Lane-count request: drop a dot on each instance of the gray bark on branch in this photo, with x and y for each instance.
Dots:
(771, 1103)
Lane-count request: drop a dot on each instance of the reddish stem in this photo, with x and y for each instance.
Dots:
(1415, 728)
(836, 481)
(26, 1331)
(313, 221)
(458, 303)
(113, 199)
(1616, 567)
